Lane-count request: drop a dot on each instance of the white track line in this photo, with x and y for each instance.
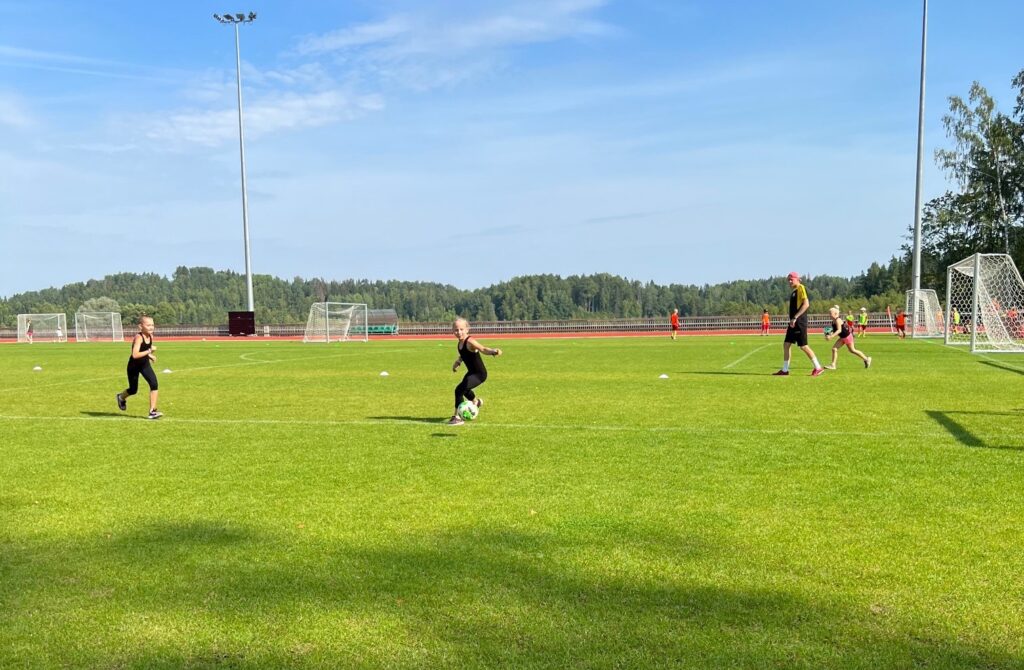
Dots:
(748, 355)
(327, 423)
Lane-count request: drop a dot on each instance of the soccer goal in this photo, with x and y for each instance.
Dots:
(337, 322)
(98, 327)
(925, 313)
(42, 328)
(985, 304)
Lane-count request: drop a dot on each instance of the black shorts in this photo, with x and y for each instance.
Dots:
(797, 335)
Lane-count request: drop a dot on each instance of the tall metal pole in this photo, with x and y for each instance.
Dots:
(235, 21)
(920, 170)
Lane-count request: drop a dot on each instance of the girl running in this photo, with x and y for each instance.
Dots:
(139, 364)
(842, 330)
(476, 374)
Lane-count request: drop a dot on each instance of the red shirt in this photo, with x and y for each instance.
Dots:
(901, 320)
(675, 320)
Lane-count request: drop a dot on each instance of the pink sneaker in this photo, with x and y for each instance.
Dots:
(817, 372)
(781, 373)
(456, 421)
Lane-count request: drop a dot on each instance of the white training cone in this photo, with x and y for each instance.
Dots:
(384, 374)
(662, 376)
(37, 369)
(168, 371)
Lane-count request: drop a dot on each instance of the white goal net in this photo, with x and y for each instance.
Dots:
(42, 328)
(337, 322)
(98, 327)
(924, 313)
(985, 304)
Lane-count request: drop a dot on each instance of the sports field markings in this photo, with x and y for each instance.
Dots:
(329, 423)
(248, 362)
(747, 355)
(966, 350)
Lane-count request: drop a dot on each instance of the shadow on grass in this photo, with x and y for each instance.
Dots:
(594, 594)
(1003, 366)
(120, 415)
(410, 419)
(963, 435)
(724, 372)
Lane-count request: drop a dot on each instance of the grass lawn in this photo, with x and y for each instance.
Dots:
(296, 509)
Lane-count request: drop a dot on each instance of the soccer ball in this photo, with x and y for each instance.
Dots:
(468, 410)
(827, 331)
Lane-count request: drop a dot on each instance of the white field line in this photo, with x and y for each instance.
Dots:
(747, 355)
(328, 423)
(248, 361)
(966, 350)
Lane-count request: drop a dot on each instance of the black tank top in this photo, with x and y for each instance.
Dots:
(473, 360)
(145, 346)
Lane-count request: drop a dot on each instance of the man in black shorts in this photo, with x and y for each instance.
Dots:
(796, 332)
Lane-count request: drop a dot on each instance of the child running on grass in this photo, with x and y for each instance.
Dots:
(841, 330)
(476, 374)
(139, 364)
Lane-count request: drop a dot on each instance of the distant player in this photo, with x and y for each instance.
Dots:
(766, 322)
(796, 332)
(59, 333)
(901, 324)
(28, 331)
(849, 319)
(139, 363)
(956, 321)
(470, 351)
(845, 336)
(674, 321)
(862, 321)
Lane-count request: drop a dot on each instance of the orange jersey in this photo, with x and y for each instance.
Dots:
(766, 320)
(675, 320)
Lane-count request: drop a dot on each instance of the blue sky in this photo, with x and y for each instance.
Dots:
(469, 142)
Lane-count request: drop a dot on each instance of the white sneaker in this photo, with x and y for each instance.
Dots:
(155, 414)
(867, 363)
(830, 367)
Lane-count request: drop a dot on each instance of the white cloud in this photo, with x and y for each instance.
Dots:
(14, 113)
(265, 115)
(423, 51)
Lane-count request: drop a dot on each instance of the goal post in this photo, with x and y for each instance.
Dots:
(98, 327)
(985, 304)
(925, 313)
(337, 322)
(42, 328)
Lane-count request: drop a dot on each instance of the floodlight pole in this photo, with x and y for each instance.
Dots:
(920, 171)
(235, 21)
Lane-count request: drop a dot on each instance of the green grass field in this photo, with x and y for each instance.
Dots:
(296, 509)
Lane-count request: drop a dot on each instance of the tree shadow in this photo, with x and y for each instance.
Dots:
(476, 596)
(963, 434)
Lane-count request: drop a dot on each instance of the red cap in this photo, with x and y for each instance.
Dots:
(793, 275)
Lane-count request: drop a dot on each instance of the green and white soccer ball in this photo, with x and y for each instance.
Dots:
(468, 410)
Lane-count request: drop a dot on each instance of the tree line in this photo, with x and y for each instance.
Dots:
(983, 213)
(202, 295)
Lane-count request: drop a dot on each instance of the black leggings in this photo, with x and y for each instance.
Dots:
(466, 386)
(133, 378)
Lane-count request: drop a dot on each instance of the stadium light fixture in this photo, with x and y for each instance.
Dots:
(235, 21)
